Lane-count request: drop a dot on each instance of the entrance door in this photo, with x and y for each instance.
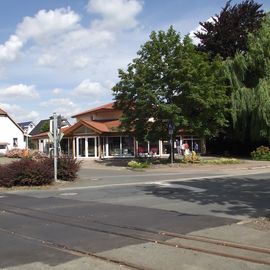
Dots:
(87, 147)
(81, 146)
(91, 147)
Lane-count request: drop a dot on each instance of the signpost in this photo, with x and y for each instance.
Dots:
(55, 135)
(55, 145)
(171, 129)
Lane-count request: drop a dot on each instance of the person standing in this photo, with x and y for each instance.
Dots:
(178, 147)
(196, 147)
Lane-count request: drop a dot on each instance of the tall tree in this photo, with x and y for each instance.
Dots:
(171, 80)
(250, 79)
(227, 32)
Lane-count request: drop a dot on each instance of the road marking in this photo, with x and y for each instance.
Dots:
(2, 197)
(146, 182)
(69, 194)
(170, 185)
(150, 174)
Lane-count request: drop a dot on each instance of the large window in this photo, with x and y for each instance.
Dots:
(154, 148)
(91, 147)
(128, 146)
(82, 147)
(166, 147)
(114, 146)
(146, 148)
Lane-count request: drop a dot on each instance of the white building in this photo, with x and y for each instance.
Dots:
(11, 135)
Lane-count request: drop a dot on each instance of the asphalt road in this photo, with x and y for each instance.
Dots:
(47, 229)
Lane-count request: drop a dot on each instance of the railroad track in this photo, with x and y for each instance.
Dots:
(228, 249)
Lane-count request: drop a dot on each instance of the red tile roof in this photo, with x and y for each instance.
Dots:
(105, 107)
(97, 126)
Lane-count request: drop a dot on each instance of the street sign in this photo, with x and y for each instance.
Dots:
(170, 127)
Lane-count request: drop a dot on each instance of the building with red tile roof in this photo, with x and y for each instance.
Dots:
(97, 133)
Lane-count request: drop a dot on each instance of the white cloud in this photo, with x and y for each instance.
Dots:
(47, 23)
(116, 14)
(63, 106)
(57, 91)
(19, 91)
(57, 102)
(46, 59)
(81, 61)
(41, 27)
(19, 114)
(10, 50)
(59, 40)
(88, 88)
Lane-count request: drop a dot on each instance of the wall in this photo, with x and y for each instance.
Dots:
(8, 131)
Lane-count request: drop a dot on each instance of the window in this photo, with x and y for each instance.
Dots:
(147, 148)
(15, 142)
(2, 146)
(128, 146)
(114, 146)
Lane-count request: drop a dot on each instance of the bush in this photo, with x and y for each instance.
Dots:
(36, 155)
(26, 172)
(138, 165)
(15, 153)
(32, 172)
(191, 158)
(222, 161)
(261, 153)
(67, 168)
(7, 176)
(29, 172)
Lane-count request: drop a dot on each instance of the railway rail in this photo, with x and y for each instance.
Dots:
(140, 234)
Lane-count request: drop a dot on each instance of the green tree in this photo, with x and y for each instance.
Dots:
(228, 31)
(250, 79)
(171, 80)
(45, 127)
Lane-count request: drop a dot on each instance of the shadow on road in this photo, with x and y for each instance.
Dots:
(241, 196)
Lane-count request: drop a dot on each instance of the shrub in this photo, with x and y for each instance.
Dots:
(138, 165)
(191, 158)
(261, 153)
(222, 161)
(26, 172)
(7, 176)
(67, 168)
(32, 172)
(15, 153)
(36, 155)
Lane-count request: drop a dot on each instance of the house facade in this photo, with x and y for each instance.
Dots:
(11, 135)
(39, 135)
(96, 134)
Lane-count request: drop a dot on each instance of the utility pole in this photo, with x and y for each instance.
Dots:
(55, 145)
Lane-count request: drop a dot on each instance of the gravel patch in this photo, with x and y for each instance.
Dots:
(261, 223)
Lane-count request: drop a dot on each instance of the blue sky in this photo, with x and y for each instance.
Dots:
(63, 55)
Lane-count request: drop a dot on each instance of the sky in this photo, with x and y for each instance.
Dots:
(63, 56)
